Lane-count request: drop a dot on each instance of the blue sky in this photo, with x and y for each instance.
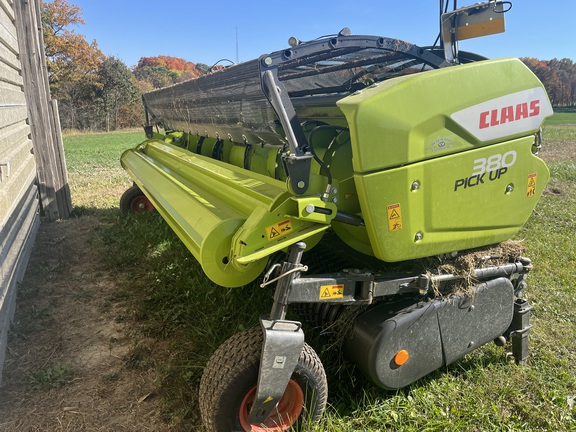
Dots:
(205, 31)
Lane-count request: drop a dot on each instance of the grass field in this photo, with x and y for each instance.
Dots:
(562, 116)
(189, 317)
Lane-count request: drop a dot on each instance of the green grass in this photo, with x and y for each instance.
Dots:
(53, 377)
(562, 116)
(93, 162)
(171, 302)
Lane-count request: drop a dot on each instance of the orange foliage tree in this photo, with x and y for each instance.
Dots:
(163, 70)
(94, 91)
(72, 62)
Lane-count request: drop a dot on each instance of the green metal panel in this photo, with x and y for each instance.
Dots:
(409, 119)
(442, 160)
(451, 208)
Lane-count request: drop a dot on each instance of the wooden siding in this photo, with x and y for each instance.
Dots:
(42, 113)
(19, 204)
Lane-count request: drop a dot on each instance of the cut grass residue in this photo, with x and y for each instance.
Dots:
(183, 317)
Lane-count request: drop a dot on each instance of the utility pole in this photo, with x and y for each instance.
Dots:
(237, 57)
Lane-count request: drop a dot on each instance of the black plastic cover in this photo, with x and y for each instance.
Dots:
(435, 333)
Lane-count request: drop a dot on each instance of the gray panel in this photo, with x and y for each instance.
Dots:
(17, 166)
(12, 114)
(7, 8)
(11, 95)
(16, 241)
(8, 33)
(19, 204)
(8, 57)
(467, 323)
(434, 333)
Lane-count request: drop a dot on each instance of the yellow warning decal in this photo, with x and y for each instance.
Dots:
(328, 292)
(278, 229)
(531, 185)
(394, 217)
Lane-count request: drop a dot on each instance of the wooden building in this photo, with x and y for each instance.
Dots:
(33, 179)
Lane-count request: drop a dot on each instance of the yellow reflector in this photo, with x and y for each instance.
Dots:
(401, 357)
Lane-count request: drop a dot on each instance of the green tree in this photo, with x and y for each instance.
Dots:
(203, 68)
(157, 76)
(118, 91)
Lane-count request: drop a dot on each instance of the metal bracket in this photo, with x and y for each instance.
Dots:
(520, 328)
(149, 131)
(283, 342)
(298, 161)
(479, 19)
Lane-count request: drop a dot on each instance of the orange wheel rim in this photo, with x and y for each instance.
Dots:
(141, 204)
(283, 417)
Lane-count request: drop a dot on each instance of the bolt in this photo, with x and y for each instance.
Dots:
(310, 208)
(301, 184)
(500, 341)
(268, 61)
(509, 188)
(334, 200)
(415, 186)
(334, 190)
(419, 236)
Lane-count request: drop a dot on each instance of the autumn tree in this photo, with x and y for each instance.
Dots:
(558, 77)
(95, 91)
(72, 62)
(156, 76)
(162, 71)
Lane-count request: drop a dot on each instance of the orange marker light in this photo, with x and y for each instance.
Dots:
(401, 357)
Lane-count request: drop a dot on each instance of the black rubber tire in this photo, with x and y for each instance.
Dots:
(232, 372)
(128, 197)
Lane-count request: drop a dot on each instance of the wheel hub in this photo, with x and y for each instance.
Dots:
(283, 417)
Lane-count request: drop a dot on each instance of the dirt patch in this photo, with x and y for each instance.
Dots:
(69, 364)
(565, 151)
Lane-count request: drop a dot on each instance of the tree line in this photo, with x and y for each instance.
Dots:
(95, 91)
(99, 92)
(558, 77)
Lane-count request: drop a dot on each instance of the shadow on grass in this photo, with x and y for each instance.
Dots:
(180, 318)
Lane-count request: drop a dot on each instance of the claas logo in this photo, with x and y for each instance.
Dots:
(509, 114)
